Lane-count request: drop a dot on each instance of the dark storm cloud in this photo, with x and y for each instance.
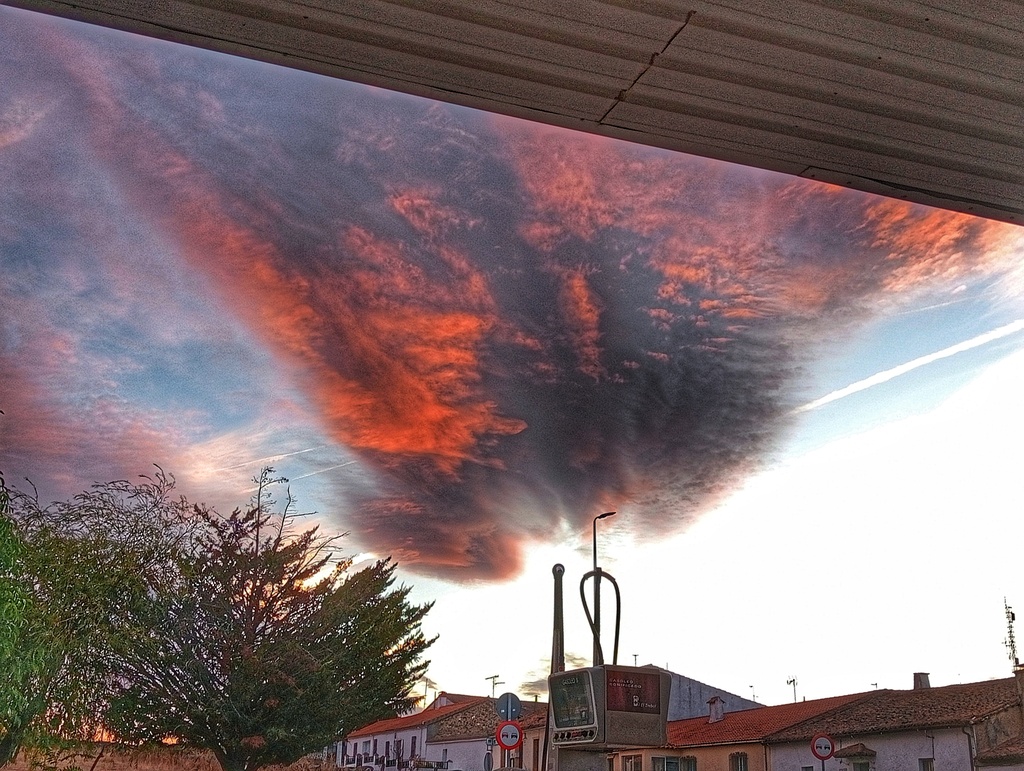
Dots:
(513, 327)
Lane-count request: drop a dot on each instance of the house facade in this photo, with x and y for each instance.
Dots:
(467, 738)
(455, 733)
(722, 740)
(401, 743)
(952, 728)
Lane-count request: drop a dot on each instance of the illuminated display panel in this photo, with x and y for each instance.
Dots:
(572, 700)
(633, 690)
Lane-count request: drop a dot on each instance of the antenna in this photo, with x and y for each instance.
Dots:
(494, 683)
(1010, 642)
(792, 681)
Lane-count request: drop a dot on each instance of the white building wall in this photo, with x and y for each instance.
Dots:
(949, 748)
(355, 746)
(466, 755)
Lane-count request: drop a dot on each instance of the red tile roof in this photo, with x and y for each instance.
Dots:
(535, 714)
(886, 710)
(750, 725)
(858, 750)
(417, 719)
(482, 718)
(1008, 753)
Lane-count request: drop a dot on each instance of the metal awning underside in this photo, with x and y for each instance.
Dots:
(922, 101)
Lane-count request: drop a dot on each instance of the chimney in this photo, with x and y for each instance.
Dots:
(716, 709)
(921, 681)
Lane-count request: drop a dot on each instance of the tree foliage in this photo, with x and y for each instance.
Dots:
(70, 574)
(262, 648)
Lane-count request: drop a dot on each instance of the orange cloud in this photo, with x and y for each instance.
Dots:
(926, 246)
(581, 310)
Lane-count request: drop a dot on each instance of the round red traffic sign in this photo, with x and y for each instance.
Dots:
(509, 735)
(823, 746)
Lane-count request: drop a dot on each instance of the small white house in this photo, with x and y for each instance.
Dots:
(924, 729)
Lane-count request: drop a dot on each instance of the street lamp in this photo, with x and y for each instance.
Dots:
(598, 658)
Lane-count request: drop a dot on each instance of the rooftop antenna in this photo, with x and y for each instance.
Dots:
(494, 683)
(792, 681)
(1010, 642)
(753, 696)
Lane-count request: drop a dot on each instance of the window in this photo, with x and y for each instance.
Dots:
(444, 755)
(398, 748)
(738, 761)
(366, 747)
(926, 764)
(375, 748)
(412, 747)
(632, 762)
(687, 763)
(536, 755)
(861, 765)
(806, 768)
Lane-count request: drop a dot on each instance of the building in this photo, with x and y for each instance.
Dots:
(689, 698)
(968, 727)
(455, 732)
(952, 728)
(722, 740)
(400, 743)
(466, 739)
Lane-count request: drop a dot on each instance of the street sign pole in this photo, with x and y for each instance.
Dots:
(823, 747)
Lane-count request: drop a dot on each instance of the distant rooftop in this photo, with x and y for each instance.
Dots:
(888, 710)
(750, 725)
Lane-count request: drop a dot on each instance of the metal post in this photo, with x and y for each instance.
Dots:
(598, 658)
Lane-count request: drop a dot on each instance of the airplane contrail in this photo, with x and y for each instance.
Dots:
(902, 369)
(270, 458)
(310, 474)
(323, 470)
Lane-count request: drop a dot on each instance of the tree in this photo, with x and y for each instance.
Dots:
(262, 649)
(70, 573)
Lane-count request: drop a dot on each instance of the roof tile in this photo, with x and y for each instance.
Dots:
(888, 710)
(750, 725)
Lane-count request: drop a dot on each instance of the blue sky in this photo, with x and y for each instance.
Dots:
(461, 336)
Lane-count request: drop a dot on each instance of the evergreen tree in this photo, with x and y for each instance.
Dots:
(262, 648)
(70, 574)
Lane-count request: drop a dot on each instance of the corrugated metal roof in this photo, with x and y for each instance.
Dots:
(919, 100)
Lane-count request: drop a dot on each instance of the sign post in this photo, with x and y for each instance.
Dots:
(509, 706)
(823, 747)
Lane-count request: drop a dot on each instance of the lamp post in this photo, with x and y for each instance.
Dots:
(598, 658)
